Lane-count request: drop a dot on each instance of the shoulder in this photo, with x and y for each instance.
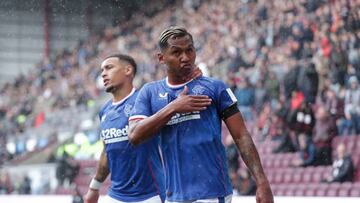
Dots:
(211, 82)
(105, 107)
(348, 158)
(151, 85)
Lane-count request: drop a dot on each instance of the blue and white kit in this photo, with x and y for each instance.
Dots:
(194, 156)
(136, 172)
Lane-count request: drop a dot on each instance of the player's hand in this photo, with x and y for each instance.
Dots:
(196, 73)
(264, 194)
(92, 196)
(188, 103)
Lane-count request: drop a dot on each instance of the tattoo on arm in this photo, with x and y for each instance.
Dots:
(250, 156)
(103, 168)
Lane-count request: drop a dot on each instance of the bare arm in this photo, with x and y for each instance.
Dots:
(250, 156)
(103, 168)
(140, 130)
(92, 195)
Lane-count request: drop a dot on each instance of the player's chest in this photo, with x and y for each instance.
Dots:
(163, 96)
(115, 117)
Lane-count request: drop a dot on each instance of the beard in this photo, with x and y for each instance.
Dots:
(110, 89)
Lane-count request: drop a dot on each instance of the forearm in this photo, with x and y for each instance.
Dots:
(250, 156)
(103, 168)
(141, 130)
(246, 146)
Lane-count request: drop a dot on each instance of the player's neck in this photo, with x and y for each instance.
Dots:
(173, 80)
(122, 92)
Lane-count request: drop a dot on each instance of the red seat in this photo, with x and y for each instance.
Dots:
(280, 192)
(62, 191)
(321, 189)
(290, 192)
(335, 185)
(271, 178)
(332, 192)
(317, 177)
(357, 175)
(81, 180)
(354, 192)
(310, 192)
(287, 178)
(87, 163)
(344, 192)
(356, 185)
(277, 163)
(347, 185)
(321, 192)
(268, 163)
(307, 177)
(300, 192)
(278, 178)
(358, 142)
(297, 177)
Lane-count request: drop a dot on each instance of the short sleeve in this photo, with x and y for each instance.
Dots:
(224, 96)
(142, 108)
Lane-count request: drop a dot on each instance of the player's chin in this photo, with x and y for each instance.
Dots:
(109, 88)
(187, 70)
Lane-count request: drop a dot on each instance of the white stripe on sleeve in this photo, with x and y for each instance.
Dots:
(231, 94)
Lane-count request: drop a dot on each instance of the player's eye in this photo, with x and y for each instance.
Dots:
(176, 52)
(189, 50)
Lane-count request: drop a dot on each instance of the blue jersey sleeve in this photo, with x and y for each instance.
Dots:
(224, 97)
(142, 108)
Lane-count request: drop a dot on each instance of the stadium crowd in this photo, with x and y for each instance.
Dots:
(294, 67)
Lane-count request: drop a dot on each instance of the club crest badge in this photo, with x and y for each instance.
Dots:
(198, 90)
(127, 109)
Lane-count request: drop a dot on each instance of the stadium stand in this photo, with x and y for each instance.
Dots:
(289, 52)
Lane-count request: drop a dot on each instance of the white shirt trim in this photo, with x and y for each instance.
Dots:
(121, 101)
(176, 86)
(137, 117)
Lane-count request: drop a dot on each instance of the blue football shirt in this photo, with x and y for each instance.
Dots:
(194, 156)
(136, 173)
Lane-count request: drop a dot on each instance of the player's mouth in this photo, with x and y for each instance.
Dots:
(106, 82)
(186, 66)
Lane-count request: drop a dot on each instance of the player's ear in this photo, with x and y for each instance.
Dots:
(129, 70)
(160, 56)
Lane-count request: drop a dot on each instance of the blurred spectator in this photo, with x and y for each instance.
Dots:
(259, 95)
(272, 86)
(306, 152)
(6, 186)
(66, 170)
(351, 123)
(338, 63)
(290, 81)
(342, 168)
(232, 155)
(264, 122)
(245, 94)
(77, 196)
(268, 39)
(308, 81)
(324, 131)
(280, 133)
(302, 120)
(333, 104)
(25, 186)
